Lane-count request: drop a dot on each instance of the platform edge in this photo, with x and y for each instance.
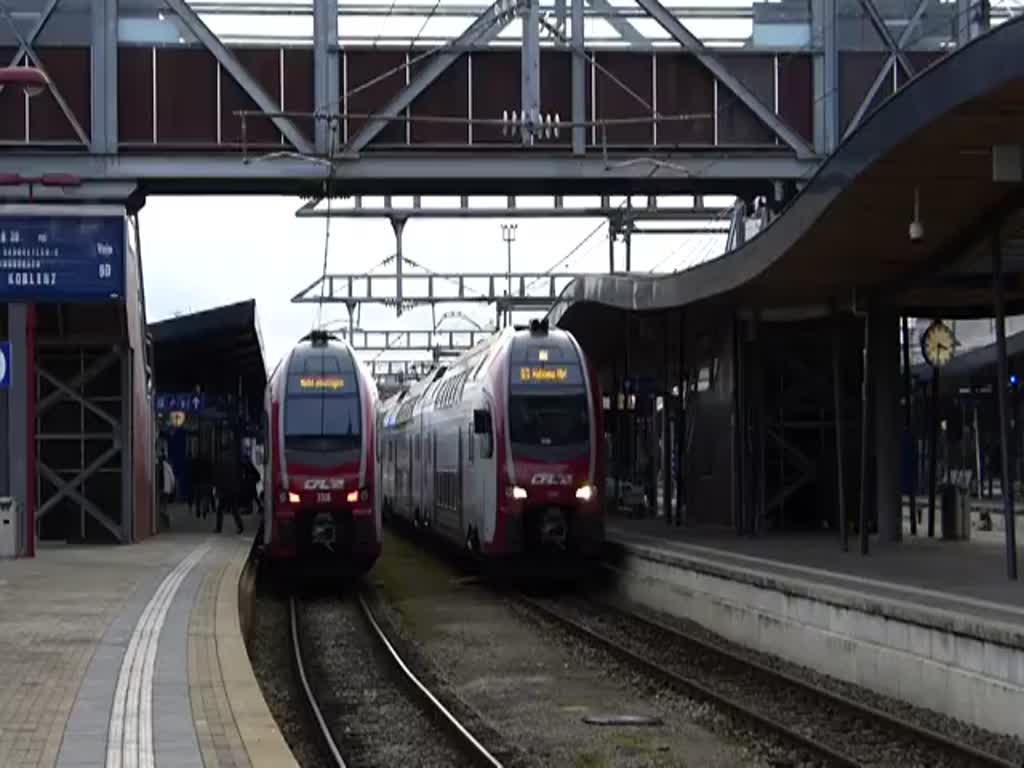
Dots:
(971, 625)
(261, 738)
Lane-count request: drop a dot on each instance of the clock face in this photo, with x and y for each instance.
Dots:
(937, 344)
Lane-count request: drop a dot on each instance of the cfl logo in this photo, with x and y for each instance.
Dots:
(324, 484)
(544, 478)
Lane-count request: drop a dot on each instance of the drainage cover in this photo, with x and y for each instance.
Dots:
(622, 720)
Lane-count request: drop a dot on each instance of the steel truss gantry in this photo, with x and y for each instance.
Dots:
(509, 293)
(467, 287)
(635, 208)
(338, 139)
(435, 342)
(398, 371)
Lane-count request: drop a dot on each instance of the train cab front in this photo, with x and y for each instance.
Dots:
(324, 509)
(327, 518)
(551, 497)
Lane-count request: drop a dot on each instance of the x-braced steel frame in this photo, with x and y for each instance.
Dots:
(485, 28)
(897, 56)
(26, 50)
(74, 391)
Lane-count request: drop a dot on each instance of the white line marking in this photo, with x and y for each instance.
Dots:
(130, 737)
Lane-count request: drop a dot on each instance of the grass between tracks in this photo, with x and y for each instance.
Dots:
(406, 575)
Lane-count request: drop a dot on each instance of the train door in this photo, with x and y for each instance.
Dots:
(461, 502)
(429, 475)
(268, 471)
(407, 499)
(485, 473)
(470, 505)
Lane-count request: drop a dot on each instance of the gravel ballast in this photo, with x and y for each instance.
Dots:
(372, 713)
(270, 652)
(868, 740)
(536, 687)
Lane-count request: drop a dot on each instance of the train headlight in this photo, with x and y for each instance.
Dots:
(293, 498)
(516, 492)
(364, 494)
(352, 496)
(585, 492)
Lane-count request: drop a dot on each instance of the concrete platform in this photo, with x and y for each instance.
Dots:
(932, 622)
(131, 656)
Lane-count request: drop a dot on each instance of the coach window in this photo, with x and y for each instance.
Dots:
(484, 426)
(472, 443)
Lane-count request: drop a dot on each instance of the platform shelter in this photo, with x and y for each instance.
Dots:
(75, 416)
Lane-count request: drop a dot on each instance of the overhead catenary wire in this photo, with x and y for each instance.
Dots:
(922, 29)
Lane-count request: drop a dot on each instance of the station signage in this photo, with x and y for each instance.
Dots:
(189, 402)
(61, 258)
(321, 383)
(543, 375)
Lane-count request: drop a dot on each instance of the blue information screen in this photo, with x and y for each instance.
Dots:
(61, 258)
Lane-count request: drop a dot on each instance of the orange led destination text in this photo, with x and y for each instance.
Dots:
(543, 374)
(321, 382)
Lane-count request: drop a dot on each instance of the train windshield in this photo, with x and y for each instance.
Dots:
(548, 412)
(549, 421)
(322, 409)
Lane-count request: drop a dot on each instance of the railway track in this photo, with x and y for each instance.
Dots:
(367, 705)
(827, 726)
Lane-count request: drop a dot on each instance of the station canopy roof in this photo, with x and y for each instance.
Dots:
(845, 237)
(214, 349)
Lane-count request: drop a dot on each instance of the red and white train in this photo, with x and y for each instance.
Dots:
(319, 413)
(500, 450)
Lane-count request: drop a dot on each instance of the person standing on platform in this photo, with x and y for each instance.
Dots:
(167, 487)
(250, 486)
(228, 490)
(195, 487)
(205, 497)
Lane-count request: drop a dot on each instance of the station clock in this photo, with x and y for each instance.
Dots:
(937, 343)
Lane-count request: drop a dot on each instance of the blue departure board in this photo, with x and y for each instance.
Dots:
(61, 258)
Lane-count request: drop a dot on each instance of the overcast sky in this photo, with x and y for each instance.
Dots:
(200, 253)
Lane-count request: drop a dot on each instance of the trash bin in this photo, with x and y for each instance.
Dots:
(955, 516)
(8, 527)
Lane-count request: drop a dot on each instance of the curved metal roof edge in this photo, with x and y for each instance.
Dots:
(185, 329)
(945, 85)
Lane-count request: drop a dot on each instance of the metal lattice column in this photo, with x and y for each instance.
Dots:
(81, 436)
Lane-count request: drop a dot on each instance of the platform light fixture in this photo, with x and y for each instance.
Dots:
(31, 80)
(62, 180)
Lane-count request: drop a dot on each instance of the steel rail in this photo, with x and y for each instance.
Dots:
(691, 687)
(311, 702)
(866, 710)
(919, 732)
(469, 741)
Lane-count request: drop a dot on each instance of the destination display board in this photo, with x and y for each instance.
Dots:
(321, 383)
(542, 377)
(61, 258)
(316, 384)
(543, 374)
